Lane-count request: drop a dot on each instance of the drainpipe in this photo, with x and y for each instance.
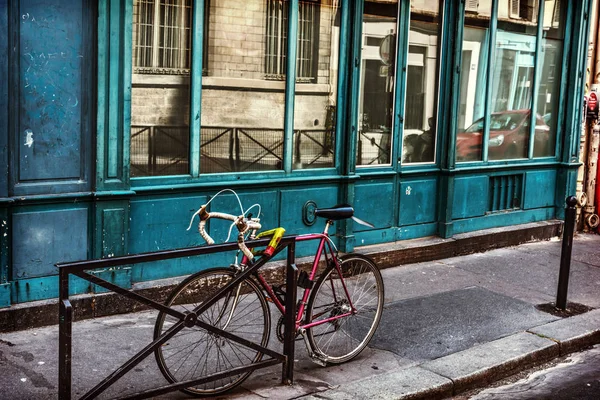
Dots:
(585, 202)
(590, 215)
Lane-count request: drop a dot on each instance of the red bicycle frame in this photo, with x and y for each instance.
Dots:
(325, 247)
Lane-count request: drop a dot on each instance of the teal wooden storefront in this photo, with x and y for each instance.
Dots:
(73, 184)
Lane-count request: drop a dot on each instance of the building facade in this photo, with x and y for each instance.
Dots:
(120, 118)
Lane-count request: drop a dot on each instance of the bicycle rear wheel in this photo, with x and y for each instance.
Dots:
(340, 340)
(195, 352)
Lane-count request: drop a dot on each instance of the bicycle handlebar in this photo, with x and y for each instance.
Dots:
(242, 223)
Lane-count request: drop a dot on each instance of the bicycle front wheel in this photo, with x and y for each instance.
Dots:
(341, 339)
(195, 352)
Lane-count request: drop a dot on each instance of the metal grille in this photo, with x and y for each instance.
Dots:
(505, 192)
(276, 36)
(224, 149)
(161, 36)
(159, 150)
(314, 148)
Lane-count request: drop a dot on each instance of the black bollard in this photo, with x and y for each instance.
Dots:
(565, 255)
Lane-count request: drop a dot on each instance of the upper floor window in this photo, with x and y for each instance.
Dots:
(161, 36)
(276, 37)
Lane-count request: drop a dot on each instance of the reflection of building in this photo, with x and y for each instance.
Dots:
(121, 121)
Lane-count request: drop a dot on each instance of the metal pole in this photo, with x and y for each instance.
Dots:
(565, 255)
(64, 337)
(289, 333)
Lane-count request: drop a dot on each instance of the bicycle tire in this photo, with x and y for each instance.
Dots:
(343, 339)
(194, 352)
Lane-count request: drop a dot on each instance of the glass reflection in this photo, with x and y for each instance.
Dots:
(512, 83)
(377, 82)
(473, 80)
(316, 91)
(160, 90)
(421, 83)
(243, 86)
(549, 83)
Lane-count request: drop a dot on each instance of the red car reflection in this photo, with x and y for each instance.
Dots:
(509, 137)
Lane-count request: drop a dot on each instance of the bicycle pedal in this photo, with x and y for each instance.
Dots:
(319, 360)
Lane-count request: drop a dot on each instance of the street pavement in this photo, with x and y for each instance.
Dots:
(448, 326)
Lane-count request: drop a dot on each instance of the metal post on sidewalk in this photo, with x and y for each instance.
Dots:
(565, 255)
(289, 333)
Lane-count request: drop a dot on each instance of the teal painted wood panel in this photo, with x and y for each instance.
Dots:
(418, 201)
(228, 203)
(374, 202)
(161, 223)
(120, 277)
(43, 238)
(52, 135)
(4, 41)
(540, 189)
(4, 245)
(503, 219)
(45, 288)
(470, 196)
(113, 232)
(292, 205)
(375, 236)
(5, 295)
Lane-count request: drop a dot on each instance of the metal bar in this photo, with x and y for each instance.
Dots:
(182, 385)
(65, 312)
(161, 255)
(565, 255)
(65, 321)
(289, 333)
(132, 295)
(132, 362)
(239, 340)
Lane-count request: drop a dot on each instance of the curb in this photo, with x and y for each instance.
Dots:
(43, 313)
(478, 366)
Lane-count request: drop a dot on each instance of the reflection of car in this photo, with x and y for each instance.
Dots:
(509, 137)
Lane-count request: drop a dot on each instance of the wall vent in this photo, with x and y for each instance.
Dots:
(505, 193)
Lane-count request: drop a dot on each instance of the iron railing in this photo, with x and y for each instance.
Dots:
(81, 268)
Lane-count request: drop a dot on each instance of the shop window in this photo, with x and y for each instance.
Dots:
(276, 37)
(243, 87)
(511, 85)
(421, 83)
(377, 83)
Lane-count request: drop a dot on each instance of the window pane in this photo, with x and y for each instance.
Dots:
(160, 88)
(421, 83)
(549, 90)
(473, 79)
(377, 82)
(512, 83)
(315, 103)
(242, 110)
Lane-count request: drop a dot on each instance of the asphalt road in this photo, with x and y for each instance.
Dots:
(578, 377)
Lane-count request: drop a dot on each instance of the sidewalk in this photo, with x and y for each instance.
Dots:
(449, 325)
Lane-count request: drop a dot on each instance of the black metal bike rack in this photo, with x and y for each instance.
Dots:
(79, 269)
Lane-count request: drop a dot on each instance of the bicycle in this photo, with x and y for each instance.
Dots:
(337, 314)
